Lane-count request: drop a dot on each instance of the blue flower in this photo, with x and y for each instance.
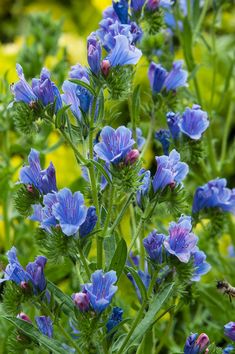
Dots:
(140, 139)
(79, 72)
(157, 76)
(181, 241)
(114, 319)
(229, 330)
(136, 32)
(115, 144)
(123, 53)
(44, 214)
(136, 5)
(101, 290)
(194, 122)
(228, 349)
(34, 273)
(176, 77)
(153, 244)
(44, 324)
(71, 97)
(173, 124)
(190, 346)
(170, 171)
(143, 189)
(22, 90)
(121, 9)
(163, 136)
(89, 222)
(153, 5)
(201, 267)
(46, 91)
(94, 53)
(70, 211)
(214, 194)
(43, 180)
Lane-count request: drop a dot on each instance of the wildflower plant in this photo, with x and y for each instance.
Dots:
(126, 222)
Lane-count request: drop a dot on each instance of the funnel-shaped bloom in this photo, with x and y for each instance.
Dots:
(153, 244)
(101, 290)
(194, 122)
(123, 53)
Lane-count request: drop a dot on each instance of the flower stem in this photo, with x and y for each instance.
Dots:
(225, 135)
(84, 262)
(138, 230)
(150, 133)
(121, 213)
(78, 155)
(68, 337)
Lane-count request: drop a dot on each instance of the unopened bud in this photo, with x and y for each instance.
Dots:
(105, 67)
(24, 285)
(81, 300)
(203, 341)
(30, 188)
(172, 185)
(132, 157)
(152, 4)
(24, 317)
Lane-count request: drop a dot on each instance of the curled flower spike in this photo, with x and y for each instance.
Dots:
(114, 319)
(101, 290)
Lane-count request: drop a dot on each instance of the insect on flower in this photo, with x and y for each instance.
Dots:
(224, 287)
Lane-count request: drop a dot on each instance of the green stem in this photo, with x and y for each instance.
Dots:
(225, 135)
(201, 19)
(109, 212)
(121, 213)
(135, 323)
(70, 340)
(78, 155)
(139, 227)
(84, 262)
(150, 133)
(6, 199)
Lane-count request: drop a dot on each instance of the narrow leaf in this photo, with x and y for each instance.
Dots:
(119, 258)
(138, 281)
(83, 84)
(65, 299)
(29, 330)
(102, 170)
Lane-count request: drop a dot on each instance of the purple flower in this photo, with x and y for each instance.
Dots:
(173, 124)
(114, 319)
(79, 72)
(115, 144)
(22, 90)
(121, 9)
(229, 330)
(153, 5)
(170, 171)
(181, 241)
(69, 210)
(94, 53)
(153, 245)
(214, 194)
(194, 122)
(163, 136)
(176, 77)
(89, 223)
(34, 273)
(195, 344)
(101, 290)
(71, 97)
(43, 180)
(140, 139)
(132, 156)
(143, 189)
(201, 267)
(44, 214)
(81, 300)
(136, 5)
(136, 32)
(123, 53)
(44, 324)
(157, 76)
(46, 91)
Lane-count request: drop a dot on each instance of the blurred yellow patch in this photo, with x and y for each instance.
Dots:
(76, 47)
(101, 5)
(224, 242)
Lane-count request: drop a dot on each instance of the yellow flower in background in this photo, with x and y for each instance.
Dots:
(101, 5)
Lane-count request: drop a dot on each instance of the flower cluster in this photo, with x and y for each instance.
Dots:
(196, 344)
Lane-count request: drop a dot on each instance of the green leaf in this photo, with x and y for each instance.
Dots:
(154, 307)
(29, 330)
(109, 248)
(60, 116)
(136, 104)
(138, 281)
(84, 84)
(187, 44)
(119, 258)
(65, 299)
(102, 170)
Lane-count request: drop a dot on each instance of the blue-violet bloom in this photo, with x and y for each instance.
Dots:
(170, 171)
(114, 319)
(157, 76)
(229, 330)
(228, 349)
(89, 223)
(115, 144)
(101, 290)
(163, 136)
(44, 324)
(153, 245)
(194, 122)
(123, 53)
(173, 120)
(94, 53)
(121, 9)
(201, 267)
(21, 89)
(177, 77)
(136, 5)
(43, 180)
(181, 241)
(143, 189)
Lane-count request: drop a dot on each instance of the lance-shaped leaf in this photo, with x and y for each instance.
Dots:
(119, 258)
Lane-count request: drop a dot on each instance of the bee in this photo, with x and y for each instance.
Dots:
(226, 288)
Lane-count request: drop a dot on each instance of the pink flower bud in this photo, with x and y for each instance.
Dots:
(132, 157)
(24, 317)
(105, 67)
(30, 188)
(81, 300)
(24, 285)
(203, 341)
